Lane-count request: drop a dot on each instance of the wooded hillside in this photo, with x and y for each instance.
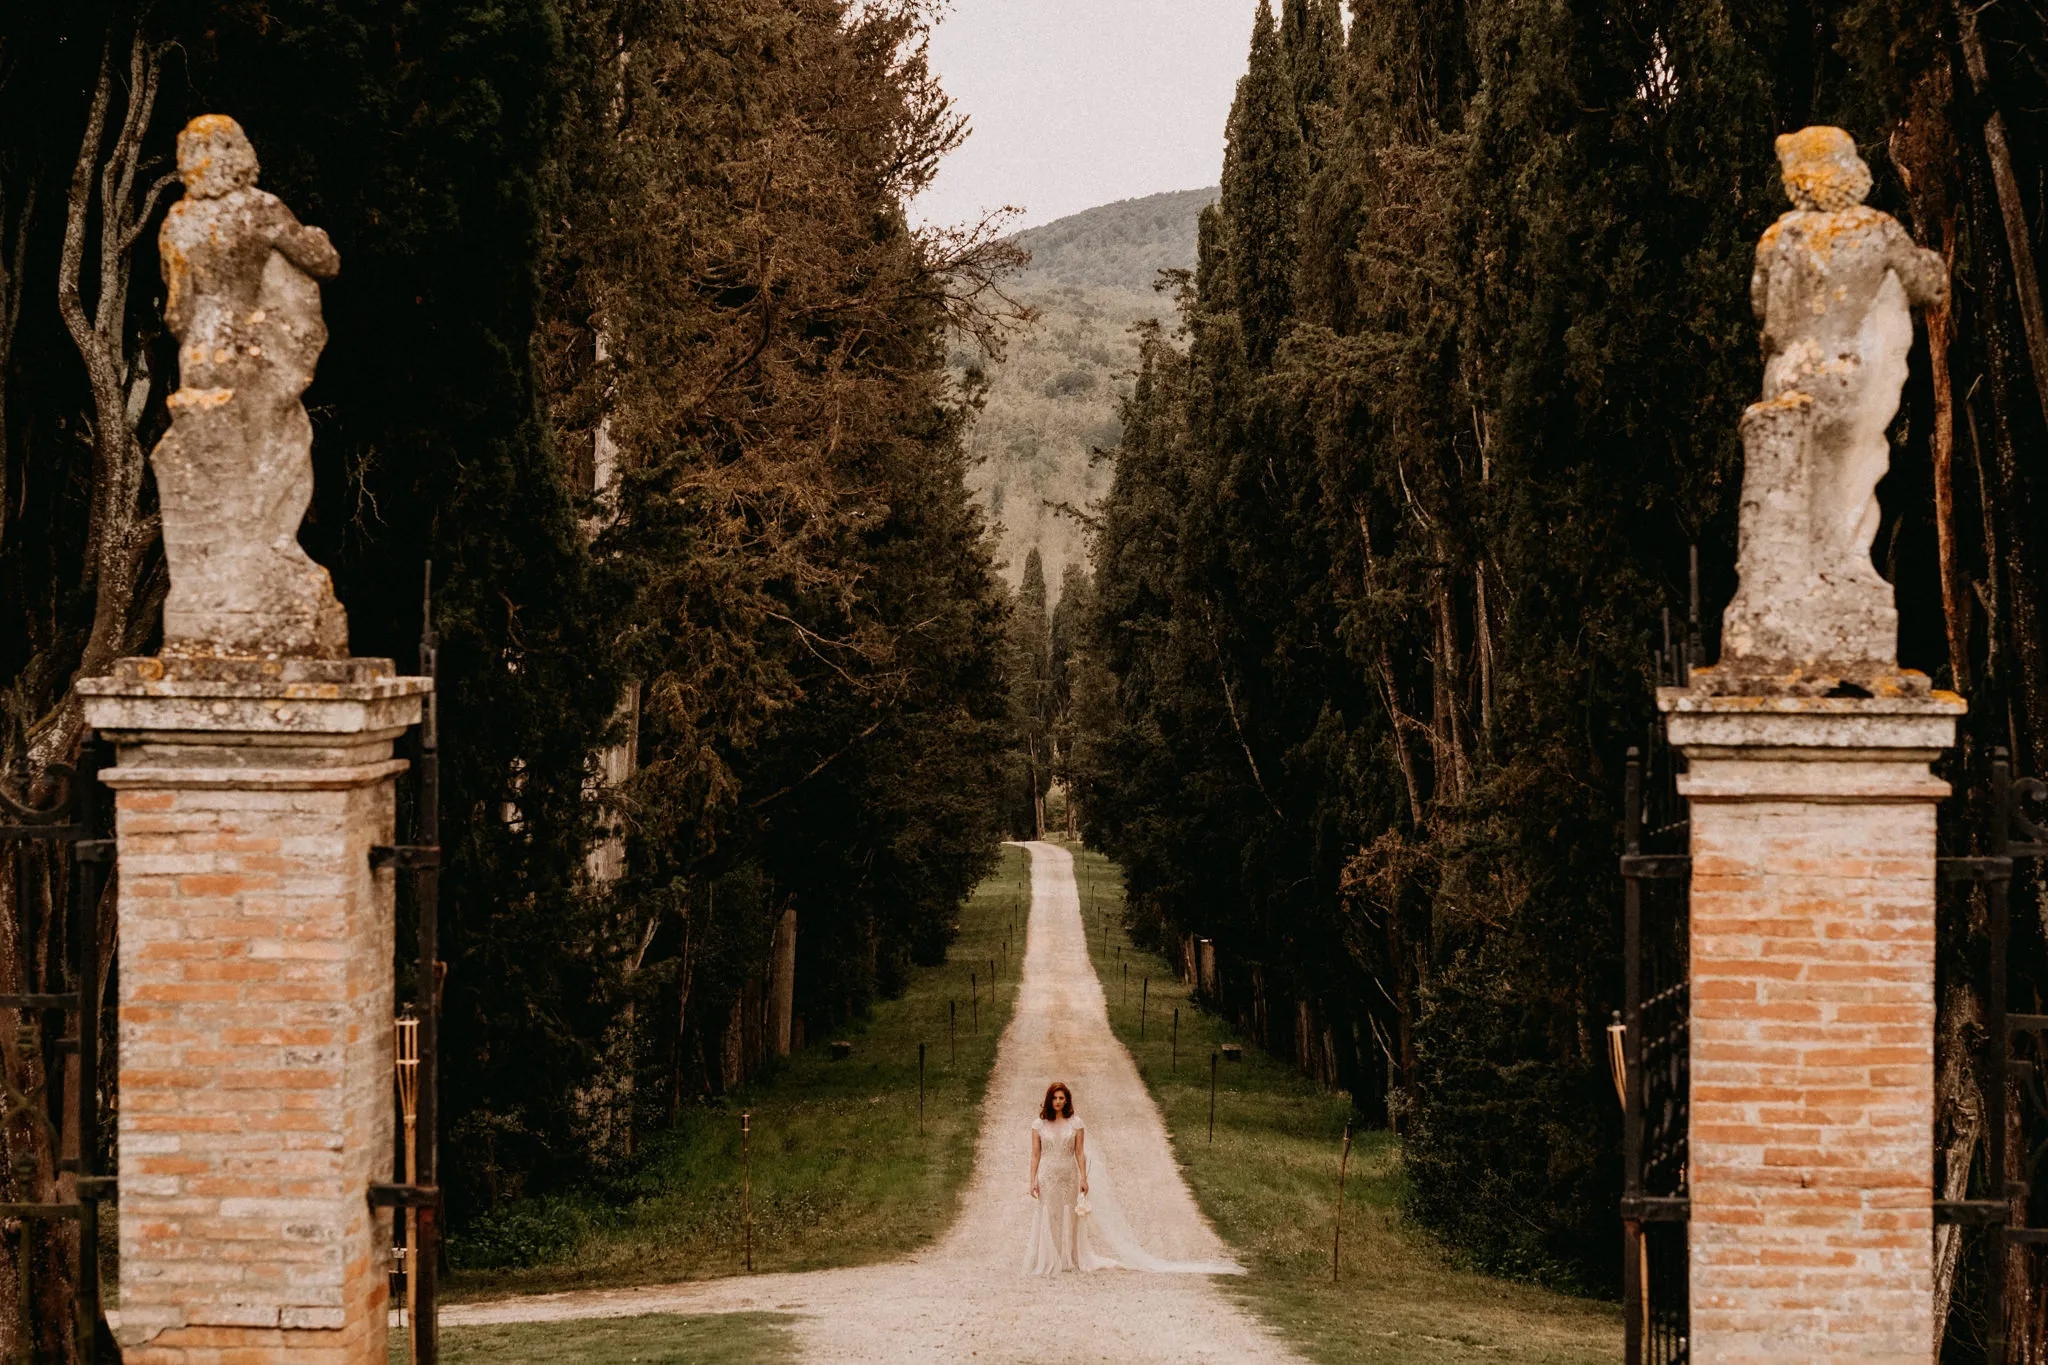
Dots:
(1052, 401)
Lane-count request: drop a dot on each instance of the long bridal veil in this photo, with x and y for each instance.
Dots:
(1109, 1242)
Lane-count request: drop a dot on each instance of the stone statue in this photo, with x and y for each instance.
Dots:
(235, 471)
(1834, 285)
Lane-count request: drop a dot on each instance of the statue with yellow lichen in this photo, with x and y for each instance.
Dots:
(1834, 286)
(235, 471)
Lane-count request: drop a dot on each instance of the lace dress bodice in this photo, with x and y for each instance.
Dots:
(1056, 1149)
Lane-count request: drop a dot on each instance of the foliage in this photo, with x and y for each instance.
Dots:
(1397, 509)
(813, 623)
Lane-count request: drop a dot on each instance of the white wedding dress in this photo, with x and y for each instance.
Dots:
(1064, 1239)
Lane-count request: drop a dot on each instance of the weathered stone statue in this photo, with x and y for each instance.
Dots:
(1834, 285)
(235, 471)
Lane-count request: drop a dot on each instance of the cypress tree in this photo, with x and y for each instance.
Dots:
(1312, 42)
(1264, 166)
(1030, 668)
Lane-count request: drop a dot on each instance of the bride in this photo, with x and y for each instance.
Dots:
(1066, 1231)
(1059, 1182)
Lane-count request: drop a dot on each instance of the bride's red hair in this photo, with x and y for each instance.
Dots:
(1046, 1111)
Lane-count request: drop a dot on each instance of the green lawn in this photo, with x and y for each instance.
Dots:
(656, 1339)
(1268, 1181)
(841, 1175)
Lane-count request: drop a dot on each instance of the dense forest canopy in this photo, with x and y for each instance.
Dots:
(632, 340)
(1401, 502)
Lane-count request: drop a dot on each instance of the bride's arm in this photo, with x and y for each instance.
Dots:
(1036, 1147)
(1081, 1155)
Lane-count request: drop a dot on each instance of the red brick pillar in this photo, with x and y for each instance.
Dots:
(255, 1003)
(1812, 1111)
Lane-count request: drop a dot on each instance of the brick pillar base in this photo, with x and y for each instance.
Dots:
(1812, 1113)
(255, 1005)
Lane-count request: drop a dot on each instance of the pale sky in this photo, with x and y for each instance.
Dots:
(1080, 102)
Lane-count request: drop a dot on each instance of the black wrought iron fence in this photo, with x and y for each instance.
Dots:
(1652, 1043)
(2007, 1185)
(69, 846)
(414, 1192)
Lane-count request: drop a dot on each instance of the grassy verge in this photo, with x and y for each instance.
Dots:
(656, 1339)
(1268, 1181)
(840, 1173)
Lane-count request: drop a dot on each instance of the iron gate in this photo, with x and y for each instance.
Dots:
(414, 1192)
(72, 842)
(2001, 1198)
(1650, 1038)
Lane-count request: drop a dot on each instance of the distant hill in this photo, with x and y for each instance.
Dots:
(1054, 398)
(1122, 245)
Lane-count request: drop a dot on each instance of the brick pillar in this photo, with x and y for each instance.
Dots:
(1812, 1113)
(255, 1004)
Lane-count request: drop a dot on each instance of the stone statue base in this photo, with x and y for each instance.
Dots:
(232, 460)
(1812, 617)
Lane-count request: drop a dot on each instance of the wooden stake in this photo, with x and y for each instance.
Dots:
(920, 1089)
(747, 1182)
(974, 1001)
(1212, 1097)
(952, 1033)
(1337, 1241)
(1144, 998)
(1175, 1064)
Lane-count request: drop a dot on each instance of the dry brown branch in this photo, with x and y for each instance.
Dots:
(119, 535)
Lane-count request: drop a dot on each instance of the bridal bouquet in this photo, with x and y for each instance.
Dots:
(1082, 1208)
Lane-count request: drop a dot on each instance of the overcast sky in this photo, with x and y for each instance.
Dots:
(1080, 102)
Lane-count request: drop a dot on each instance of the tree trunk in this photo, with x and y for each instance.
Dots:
(2019, 245)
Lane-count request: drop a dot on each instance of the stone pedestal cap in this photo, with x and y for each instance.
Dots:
(225, 697)
(1762, 748)
(264, 723)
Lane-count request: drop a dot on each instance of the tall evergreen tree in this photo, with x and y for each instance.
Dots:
(1031, 694)
(1264, 166)
(1312, 41)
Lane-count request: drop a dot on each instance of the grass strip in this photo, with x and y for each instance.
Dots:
(654, 1339)
(840, 1174)
(1268, 1182)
